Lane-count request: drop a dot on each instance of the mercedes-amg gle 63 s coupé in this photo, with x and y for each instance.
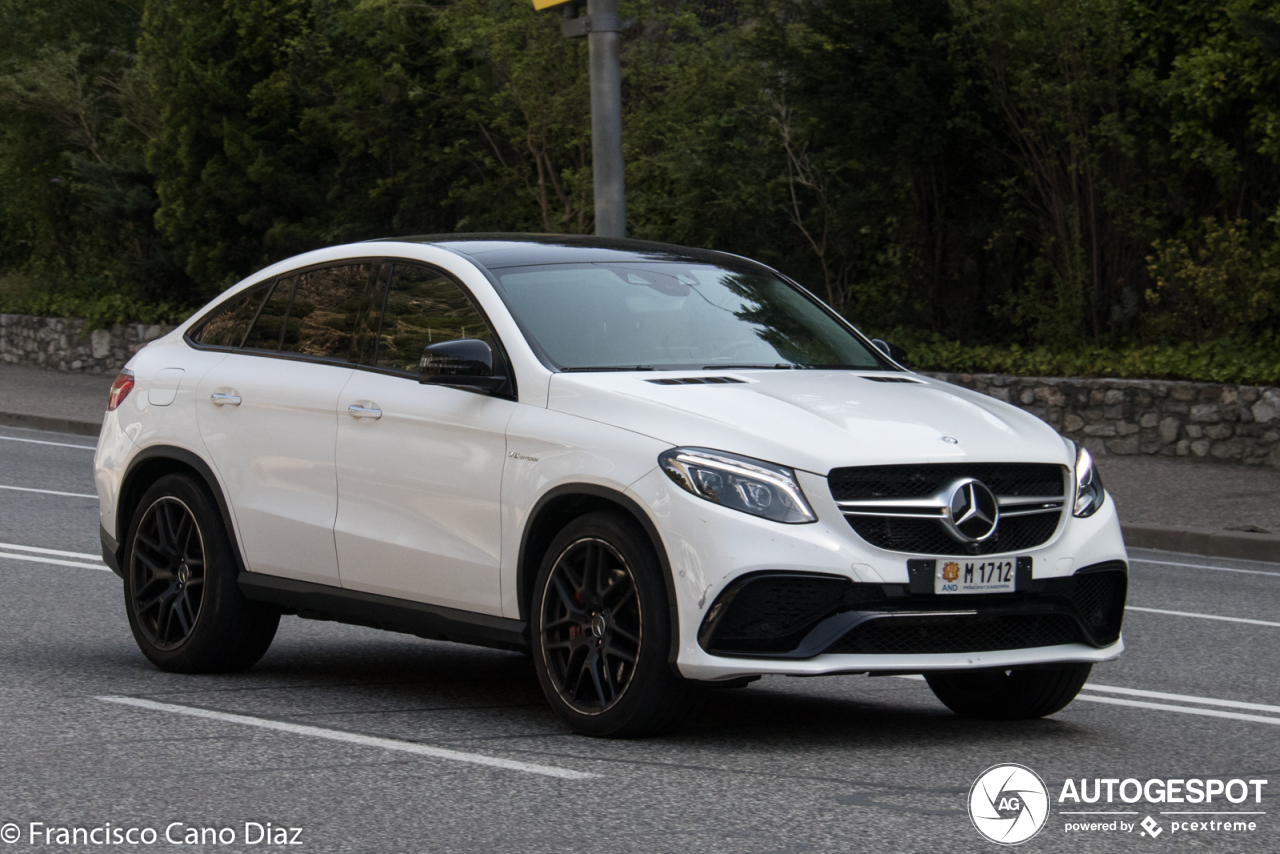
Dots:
(649, 467)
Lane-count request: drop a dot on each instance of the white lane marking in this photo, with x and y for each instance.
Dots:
(1202, 566)
(49, 491)
(354, 738)
(55, 561)
(43, 442)
(1186, 710)
(1185, 698)
(1258, 812)
(1201, 616)
(1160, 695)
(58, 552)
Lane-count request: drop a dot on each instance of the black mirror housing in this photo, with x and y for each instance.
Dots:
(893, 352)
(463, 362)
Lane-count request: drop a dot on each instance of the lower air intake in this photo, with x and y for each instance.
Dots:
(924, 635)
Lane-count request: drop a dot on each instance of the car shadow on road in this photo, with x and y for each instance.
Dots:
(360, 678)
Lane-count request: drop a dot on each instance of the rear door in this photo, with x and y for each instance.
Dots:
(267, 414)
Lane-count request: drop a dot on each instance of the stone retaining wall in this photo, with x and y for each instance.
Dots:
(1213, 421)
(62, 343)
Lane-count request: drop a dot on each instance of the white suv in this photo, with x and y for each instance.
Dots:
(648, 466)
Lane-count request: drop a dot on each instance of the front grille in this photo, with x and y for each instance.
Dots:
(926, 536)
(918, 481)
(925, 635)
(872, 499)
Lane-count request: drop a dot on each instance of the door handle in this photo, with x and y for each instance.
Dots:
(222, 398)
(358, 411)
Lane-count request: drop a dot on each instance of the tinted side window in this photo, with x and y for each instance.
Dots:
(329, 305)
(265, 334)
(227, 324)
(423, 307)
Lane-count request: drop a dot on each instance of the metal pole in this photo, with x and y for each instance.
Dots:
(606, 119)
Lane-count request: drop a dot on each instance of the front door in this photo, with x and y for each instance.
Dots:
(419, 467)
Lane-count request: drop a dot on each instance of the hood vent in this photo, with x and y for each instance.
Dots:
(892, 380)
(695, 380)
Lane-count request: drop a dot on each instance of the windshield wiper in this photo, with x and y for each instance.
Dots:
(779, 366)
(608, 368)
(841, 368)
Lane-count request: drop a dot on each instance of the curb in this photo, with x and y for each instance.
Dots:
(58, 425)
(1240, 545)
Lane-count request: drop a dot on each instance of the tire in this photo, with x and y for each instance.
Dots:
(1009, 695)
(185, 608)
(601, 632)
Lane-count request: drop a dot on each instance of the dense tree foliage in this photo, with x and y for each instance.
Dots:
(1064, 174)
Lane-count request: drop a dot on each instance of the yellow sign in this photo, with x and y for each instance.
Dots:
(539, 5)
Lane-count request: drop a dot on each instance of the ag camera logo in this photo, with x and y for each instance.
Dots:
(1009, 804)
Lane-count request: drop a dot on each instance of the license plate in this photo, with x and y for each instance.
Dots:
(975, 576)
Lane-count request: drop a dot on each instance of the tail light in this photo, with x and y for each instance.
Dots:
(120, 389)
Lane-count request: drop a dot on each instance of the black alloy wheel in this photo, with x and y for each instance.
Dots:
(591, 625)
(167, 568)
(181, 590)
(601, 632)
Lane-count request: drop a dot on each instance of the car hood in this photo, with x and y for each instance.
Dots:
(813, 419)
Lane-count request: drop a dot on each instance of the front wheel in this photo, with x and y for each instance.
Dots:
(1009, 695)
(180, 588)
(601, 631)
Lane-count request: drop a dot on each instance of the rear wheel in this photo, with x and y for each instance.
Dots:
(1009, 695)
(601, 631)
(185, 609)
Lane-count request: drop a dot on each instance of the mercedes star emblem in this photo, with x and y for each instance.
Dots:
(971, 513)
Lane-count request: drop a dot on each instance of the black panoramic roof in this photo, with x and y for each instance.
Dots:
(494, 251)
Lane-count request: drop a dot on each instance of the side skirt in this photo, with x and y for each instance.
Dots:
(433, 622)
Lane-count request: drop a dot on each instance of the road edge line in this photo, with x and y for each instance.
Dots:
(353, 738)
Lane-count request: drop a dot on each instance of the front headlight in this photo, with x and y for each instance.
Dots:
(1089, 491)
(752, 486)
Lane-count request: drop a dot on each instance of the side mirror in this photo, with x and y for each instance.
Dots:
(464, 362)
(893, 352)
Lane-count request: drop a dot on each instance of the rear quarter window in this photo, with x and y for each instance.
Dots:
(227, 324)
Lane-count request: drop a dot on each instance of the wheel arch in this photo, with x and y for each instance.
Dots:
(558, 507)
(151, 464)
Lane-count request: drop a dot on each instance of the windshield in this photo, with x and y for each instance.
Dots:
(627, 316)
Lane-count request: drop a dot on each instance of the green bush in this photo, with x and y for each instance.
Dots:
(1256, 362)
(100, 312)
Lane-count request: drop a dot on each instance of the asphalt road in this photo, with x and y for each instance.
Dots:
(374, 742)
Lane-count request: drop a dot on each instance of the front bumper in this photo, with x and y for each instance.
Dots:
(799, 615)
(710, 548)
